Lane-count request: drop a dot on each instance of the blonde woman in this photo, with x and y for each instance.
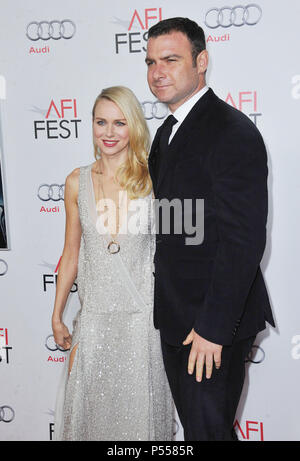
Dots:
(115, 386)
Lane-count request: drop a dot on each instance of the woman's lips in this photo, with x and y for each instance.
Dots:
(110, 143)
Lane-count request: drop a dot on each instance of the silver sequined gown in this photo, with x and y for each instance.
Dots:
(117, 389)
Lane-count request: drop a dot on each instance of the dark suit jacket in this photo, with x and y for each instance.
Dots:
(216, 287)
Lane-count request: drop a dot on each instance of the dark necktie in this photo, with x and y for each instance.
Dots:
(165, 133)
(164, 138)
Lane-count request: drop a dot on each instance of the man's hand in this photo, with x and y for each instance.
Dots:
(202, 352)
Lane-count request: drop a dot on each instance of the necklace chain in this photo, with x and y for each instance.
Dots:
(113, 246)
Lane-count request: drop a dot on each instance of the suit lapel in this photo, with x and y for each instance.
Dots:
(179, 140)
(152, 159)
(174, 147)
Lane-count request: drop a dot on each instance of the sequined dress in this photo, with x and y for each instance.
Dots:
(117, 389)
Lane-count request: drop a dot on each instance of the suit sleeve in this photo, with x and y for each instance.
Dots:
(240, 171)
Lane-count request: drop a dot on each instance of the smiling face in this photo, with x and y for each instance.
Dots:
(172, 77)
(110, 129)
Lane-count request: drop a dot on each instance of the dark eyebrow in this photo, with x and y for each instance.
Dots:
(165, 58)
(171, 56)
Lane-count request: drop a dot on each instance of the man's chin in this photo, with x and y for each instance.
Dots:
(162, 96)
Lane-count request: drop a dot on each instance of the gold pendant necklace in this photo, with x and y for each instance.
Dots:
(113, 246)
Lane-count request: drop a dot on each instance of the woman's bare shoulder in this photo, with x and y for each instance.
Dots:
(74, 175)
(72, 181)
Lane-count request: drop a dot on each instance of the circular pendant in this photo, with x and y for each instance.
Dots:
(113, 247)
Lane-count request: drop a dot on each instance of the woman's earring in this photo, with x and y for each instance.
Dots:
(98, 152)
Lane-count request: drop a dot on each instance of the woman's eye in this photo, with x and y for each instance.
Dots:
(120, 123)
(100, 122)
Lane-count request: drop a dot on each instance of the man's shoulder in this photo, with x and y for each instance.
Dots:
(212, 108)
(228, 118)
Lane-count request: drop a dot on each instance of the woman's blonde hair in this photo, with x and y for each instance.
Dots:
(133, 175)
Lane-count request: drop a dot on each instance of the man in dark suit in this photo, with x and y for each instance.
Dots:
(210, 297)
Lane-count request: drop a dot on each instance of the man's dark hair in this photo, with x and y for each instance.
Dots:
(190, 28)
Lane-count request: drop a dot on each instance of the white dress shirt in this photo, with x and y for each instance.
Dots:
(184, 109)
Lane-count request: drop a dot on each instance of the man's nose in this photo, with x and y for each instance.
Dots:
(158, 72)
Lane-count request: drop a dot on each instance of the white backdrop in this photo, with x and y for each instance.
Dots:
(47, 90)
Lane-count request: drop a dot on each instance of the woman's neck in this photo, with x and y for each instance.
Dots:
(108, 166)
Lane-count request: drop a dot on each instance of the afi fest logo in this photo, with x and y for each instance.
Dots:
(5, 349)
(133, 40)
(246, 102)
(251, 430)
(61, 127)
(51, 279)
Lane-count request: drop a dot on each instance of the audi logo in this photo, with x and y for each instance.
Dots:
(154, 109)
(236, 16)
(256, 355)
(7, 414)
(52, 346)
(3, 267)
(45, 30)
(53, 192)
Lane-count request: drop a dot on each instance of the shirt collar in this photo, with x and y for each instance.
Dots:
(185, 108)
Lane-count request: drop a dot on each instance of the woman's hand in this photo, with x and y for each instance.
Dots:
(68, 264)
(61, 334)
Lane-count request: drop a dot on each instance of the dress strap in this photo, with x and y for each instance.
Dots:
(85, 193)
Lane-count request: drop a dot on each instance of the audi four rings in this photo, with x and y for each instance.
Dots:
(236, 16)
(53, 192)
(7, 414)
(154, 109)
(52, 346)
(256, 355)
(45, 30)
(4, 269)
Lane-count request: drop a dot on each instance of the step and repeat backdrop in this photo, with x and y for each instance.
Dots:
(55, 58)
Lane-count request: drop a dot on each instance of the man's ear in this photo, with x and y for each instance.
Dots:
(202, 62)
